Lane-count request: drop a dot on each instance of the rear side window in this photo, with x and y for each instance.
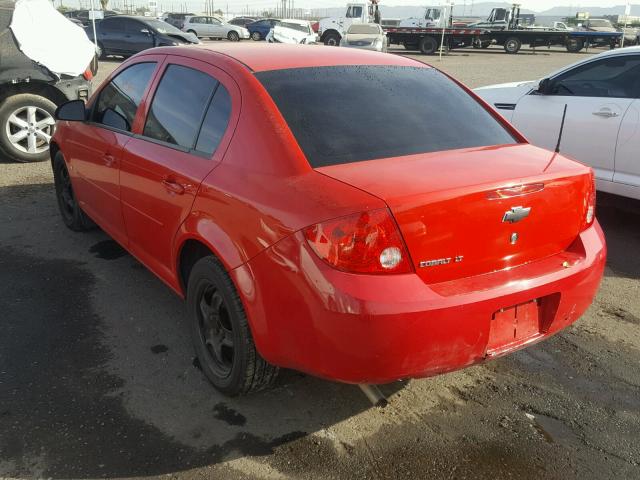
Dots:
(124, 93)
(346, 114)
(185, 102)
(215, 121)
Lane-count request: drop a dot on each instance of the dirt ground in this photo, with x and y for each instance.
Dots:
(98, 380)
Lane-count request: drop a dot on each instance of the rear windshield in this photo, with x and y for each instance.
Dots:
(346, 114)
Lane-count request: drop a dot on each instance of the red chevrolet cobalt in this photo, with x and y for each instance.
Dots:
(356, 216)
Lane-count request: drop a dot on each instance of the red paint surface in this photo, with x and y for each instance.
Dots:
(250, 202)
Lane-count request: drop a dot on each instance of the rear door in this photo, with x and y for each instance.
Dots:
(183, 138)
(215, 27)
(597, 95)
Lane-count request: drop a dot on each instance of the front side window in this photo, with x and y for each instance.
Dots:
(614, 77)
(354, 12)
(178, 106)
(372, 112)
(124, 93)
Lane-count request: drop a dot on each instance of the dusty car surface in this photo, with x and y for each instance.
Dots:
(326, 240)
(367, 36)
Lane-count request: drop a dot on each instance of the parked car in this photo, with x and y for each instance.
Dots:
(373, 238)
(212, 27)
(602, 95)
(292, 31)
(32, 88)
(127, 35)
(260, 29)
(367, 36)
(177, 19)
(242, 21)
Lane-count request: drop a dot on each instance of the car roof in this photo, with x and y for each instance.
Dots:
(261, 57)
(295, 20)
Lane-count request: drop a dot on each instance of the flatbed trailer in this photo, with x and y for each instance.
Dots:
(573, 41)
(428, 40)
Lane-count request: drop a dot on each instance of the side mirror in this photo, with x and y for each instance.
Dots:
(146, 31)
(73, 111)
(113, 119)
(544, 87)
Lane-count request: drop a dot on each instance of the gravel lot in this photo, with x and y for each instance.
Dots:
(97, 376)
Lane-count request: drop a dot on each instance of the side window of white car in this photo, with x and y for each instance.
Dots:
(614, 77)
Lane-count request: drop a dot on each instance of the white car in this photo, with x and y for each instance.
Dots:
(292, 31)
(602, 126)
(366, 36)
(212, 27)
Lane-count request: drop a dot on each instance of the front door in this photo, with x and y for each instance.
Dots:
(137, 36)
(628, 151)
(162, 168)
(96, 147)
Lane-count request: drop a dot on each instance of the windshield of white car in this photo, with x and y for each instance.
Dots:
(364, 29)
(163, 27)
(344, 114)
(295, 26)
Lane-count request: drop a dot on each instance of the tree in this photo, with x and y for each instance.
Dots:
(219, 12)
(141, 10)
(103, 4)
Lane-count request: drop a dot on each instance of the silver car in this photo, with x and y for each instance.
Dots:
(212, 27)
(367, 36)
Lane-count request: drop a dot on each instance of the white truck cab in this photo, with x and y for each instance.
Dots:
(332, 29)
(432, 17)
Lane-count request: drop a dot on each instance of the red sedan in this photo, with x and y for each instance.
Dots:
(357, 216)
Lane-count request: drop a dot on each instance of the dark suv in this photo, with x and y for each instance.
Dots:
(29, 96)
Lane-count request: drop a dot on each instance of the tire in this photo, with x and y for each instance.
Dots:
(574, 45)
(256, 37)
(221, 334)
(233, 36)
(26, 126)
(332, 40)
(512, 45)
(428, 45)
(72, 215)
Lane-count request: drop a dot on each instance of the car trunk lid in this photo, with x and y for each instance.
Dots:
(475, 211)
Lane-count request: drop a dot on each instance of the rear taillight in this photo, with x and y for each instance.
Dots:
(367, 242)
(590, 205)
(88, 74)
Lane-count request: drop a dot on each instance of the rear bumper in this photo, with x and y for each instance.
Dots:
(376, 329)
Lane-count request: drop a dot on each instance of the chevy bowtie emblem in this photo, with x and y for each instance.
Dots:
(516, 214)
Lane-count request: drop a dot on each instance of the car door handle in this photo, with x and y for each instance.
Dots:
(173, 187)
(108, 159)
(605, 114)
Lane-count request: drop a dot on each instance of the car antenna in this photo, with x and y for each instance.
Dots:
(564, 115)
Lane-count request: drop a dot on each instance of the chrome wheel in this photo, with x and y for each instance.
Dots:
(216, 330)
(29, 129)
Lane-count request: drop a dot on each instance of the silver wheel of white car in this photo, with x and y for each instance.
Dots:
(26, 127)
(233, 36)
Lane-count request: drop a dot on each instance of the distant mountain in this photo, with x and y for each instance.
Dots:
(593, 11)
(468, 8)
